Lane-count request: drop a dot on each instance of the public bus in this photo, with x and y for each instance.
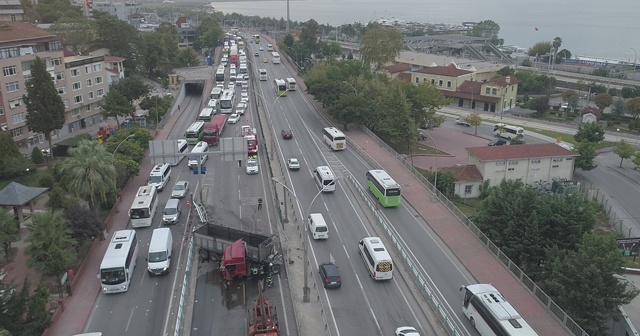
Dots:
(198, 155)
(215, 93)
(193, 134)
(213, 130)
(220, 74)
(507, 131)
(226, 101)
(281, 87)
(291, 84)
(243, 68)
(376, 258)
(275, 58)
(491, 314)
(119, 262)
(257, 38)
(334, 138)
(144, 207)
(386, 190)
(206, 114)
(263, 74)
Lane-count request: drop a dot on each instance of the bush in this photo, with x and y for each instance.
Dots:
(46, 180)
(36, 156)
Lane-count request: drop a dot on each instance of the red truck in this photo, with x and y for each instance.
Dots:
(252, 139)
(213, 130)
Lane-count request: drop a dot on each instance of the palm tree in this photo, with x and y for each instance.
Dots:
(89, 173)
(51, 246)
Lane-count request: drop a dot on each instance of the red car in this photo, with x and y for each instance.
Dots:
(287, 134)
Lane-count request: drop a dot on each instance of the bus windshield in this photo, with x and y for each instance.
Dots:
(140, 213)
(112, 276)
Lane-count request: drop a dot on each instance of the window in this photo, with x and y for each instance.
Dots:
(448, 84)
(16, 132)
(569, 159)
(89, 82)
(62, 89)
(77, 99)
(15, 103)
(88, 107)
(87, 69)
(535, 161)
(98, 80)
(9, 52)
(499, 163)
(17, 118)
(424, 80)
(468, 189)
(417, 80)
(75, 112)
(557, 159)
(433, 81)
(57, 61)
(90, 95)
(513, 162)
(13, 17)
(97, 67)
(13, 86)
(511, 169)
(66, 103)
(494, 91)
(75, 72)
(26, 66)
(76, 86)
(59, 75)
(9, 71)
(512, 87)
(440, 82)
(100, 92)
(55, 46)
(27, 78)
(487, 90)
(1, 110)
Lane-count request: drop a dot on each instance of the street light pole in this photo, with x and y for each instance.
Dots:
(305, 289)
(118, 146)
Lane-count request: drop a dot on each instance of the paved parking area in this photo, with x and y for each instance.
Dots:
(451, 140)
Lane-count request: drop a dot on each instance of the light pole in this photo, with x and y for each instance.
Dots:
(296, 53)
(635, 60)
(118, 146)
(305, 289)
(351, 85)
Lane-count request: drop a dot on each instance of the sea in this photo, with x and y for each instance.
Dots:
(588, 28)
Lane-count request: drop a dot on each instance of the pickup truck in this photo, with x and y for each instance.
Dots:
(460, 121)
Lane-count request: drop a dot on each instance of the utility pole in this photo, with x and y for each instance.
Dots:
(288, 16)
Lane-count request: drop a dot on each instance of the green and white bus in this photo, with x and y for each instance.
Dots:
(281, 87)
(386, 190)
(193, 134)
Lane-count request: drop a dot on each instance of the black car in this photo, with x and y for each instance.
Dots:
(287, 134)
(498, 142)
(330, 275)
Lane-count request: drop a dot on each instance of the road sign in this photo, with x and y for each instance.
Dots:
(164, 151)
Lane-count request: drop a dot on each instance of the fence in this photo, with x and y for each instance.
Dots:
(546, 301)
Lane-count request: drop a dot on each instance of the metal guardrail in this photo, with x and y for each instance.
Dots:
(426, 286)
(202, 213)
(537, 292)
(184, 294)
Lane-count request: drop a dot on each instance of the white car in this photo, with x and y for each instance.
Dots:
(238, 81)
(244, 94)
(241, 108)
(246, 77)
(261, 48)
(230, 86)
(293, 164)
(224, 61)
(245, 85)
(220, 85)
(233, 119)
(232, 78)
(407, 331)
(244, 100)
(232, 66)
(252, 167)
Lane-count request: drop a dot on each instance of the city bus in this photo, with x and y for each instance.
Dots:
(491, 314)
(275, 58)
(334, 138)
(220, 74)
(507, 131)
(198, 155)
(206, 114)
(263, 74)
(257, 38)
(291, 84)
(119, 262)
(281, 87)
(144, 207)
(193, 134)
(226, 101)
(386, 190)
(215, 93)
(243, 68)
(376, 258)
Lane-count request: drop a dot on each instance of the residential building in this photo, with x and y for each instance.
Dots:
(530, 163)
(115, 68)
(468, 180)
(11, 10)
(186, 32)
(130, 12)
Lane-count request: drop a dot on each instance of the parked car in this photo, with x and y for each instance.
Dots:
(180, 190)
(498, 142)
(293, 164)
(330, 275)
(460, 121)
(233, 119)
(287, 134)
(407, 331)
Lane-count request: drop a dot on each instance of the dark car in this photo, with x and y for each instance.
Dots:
(330, 275)
(287, 134)
(498, 142)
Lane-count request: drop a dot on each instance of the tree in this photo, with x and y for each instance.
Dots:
(633, 107)
(54, 10)
(557, 42)
(308, 35)
(630, 92)
(331, 50)
(603, 100)
(589, 132)
(58, 199)
(581, 282)
(51, 247)
(45, 109)
(506, 71)
(446, 183)
(77, 33)
(8, 230)
(8, 147)
(540, 49)
(636, 161)
(541, 105)
(288, 40)
(474, 119)
(424, 101)
(37, 319)
(518, 140)
(89, 173)
(187, 58)
(585, 161)
(131, 87)
(563, 54)
(208, 33)
(618, 107)
(156, 58)
(83, 222)
(488, 29)
(624, 150)
(36, 155)
(115, 105)
(121, 38)
(350, 108)
(381, 45)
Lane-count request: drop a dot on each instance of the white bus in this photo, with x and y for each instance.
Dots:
(119, 262)
(226, 101)
(491, 314)
(243, 68)
(275, 58)
(220, 74)
(196, 155)
(206, 114)
(263, 74)
(334, 138)
(193, 134)
(291, 84)
(144, 207)
(507, 131)
(324, 178)
(376, 258)
(215, 93)
(183, 146)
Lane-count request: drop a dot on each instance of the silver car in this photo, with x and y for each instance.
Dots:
(180, 190)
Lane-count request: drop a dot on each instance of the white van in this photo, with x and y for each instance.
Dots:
(269, 47)
(159, 176)
(324, 178)
(317, 226)
(160, 250)
(183, 148)
(171, 212)
(196, 154)
(376, 258)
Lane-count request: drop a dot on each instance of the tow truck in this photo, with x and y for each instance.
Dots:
(264, 320)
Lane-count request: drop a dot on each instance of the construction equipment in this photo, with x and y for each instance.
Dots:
(264, 319)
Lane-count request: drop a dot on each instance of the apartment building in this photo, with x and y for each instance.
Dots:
(81, 81)
(11, 10)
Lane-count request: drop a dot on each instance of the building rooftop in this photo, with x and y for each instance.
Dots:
(494, 153)
(450, 70)
(426, 60)
(395, 68)
(19, 31)
(113, 59)
(468, 173)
